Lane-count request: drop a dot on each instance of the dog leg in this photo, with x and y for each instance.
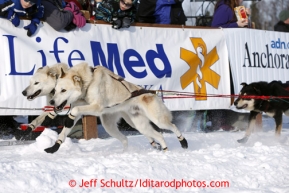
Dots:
(173, 128)
(39, 120)
(48, 119)
(243, 140)
(160, 115)
(154, 144)
(252, 124)
(70, 121)
(19, 134)
(151, 134)
(109, 122)
(144, 127)
(278, 120)
(181, 139)
(61, 137)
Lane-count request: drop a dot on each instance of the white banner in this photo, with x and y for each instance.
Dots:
(169, 59)
(257, 55)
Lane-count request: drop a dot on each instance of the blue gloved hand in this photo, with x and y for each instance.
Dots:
(13, 17)
(32, 27)
(39, 13)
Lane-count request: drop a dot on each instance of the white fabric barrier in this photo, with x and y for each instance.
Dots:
(257, 55)
(174, 59)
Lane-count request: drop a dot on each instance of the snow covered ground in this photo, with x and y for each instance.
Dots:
(100, 165)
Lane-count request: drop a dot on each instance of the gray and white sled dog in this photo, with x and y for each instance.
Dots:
(110, 96)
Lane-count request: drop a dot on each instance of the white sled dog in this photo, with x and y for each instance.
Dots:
(42, 83)
(106, 94)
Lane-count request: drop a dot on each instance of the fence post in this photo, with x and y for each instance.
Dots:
(89, 126)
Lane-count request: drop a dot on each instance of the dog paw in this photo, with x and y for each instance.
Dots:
(156, 146)
(243, 140)
(22, 135)
(52, 149)
(184, 143)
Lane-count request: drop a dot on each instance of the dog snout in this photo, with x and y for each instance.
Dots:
(24, 92)
(52, 102)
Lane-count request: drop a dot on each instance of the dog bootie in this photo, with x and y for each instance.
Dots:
(243, 140)
(54, 148)
(183, 142)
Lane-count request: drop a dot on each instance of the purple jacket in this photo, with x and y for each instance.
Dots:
(224, 17)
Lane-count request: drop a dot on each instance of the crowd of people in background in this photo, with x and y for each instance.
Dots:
(67, 14)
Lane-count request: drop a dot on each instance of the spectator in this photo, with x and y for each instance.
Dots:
(162, 12)
(224, 14)
(13, 9)
(283, 24)
(61, 15)
(120, 13)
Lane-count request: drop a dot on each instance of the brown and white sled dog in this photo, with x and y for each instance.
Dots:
(42, 83)
(273, 107)
(107, 93)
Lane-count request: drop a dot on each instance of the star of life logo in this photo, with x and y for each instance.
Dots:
(200, 72)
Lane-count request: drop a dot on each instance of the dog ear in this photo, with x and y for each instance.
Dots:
(76, 78)
(53, 74)
(244, 84)
(40, 68)
(43, 69)
(62, 73)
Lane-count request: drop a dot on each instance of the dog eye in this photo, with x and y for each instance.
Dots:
(53, 92)
(36, 83)
(63, 90)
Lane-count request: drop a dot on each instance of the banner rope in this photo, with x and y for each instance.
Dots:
(45, 108)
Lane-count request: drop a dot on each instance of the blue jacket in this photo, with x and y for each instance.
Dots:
(161, 11)
(224, 17)
(15, 5)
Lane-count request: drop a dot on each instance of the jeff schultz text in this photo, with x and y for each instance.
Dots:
(149, 183)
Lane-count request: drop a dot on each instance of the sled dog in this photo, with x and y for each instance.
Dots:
(42, 83)
(107, 93)
(259, 97)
